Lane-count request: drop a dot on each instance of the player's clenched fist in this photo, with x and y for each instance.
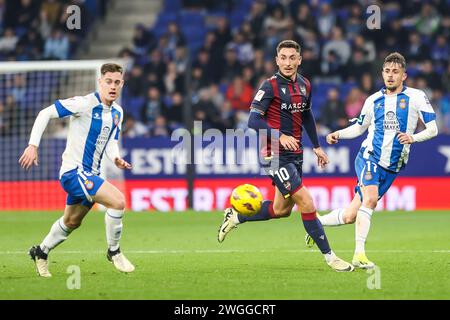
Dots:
(122, 164)
(332, 138)
(405, 138)
(29, 157)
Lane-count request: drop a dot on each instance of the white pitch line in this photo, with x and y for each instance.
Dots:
(227, 251)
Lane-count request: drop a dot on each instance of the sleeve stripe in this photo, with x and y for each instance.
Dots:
(428, 116)
(256, 108)
(62, 111)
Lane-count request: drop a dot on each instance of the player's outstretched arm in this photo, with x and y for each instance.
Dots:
(122, 164)
(333, 138)
(29, 157)
(30, 154)
(322, 158)
(430, 131)
(350, 132)
(309, 123)
(113, 153)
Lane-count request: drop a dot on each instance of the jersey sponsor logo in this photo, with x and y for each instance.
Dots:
(378, 105)
(104, 136)
(294, 107)
(259, 95)
(284, 90)
(96, 116)
(390, 122)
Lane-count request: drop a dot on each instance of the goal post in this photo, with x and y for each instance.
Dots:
(25, 89)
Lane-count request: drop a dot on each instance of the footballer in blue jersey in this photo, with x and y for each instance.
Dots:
(391, 116)
(95, 123)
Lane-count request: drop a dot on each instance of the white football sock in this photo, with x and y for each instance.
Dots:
(58, 233)
(334, 218)
(362, 227)
(113, 222)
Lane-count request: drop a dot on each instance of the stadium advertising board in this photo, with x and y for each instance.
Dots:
(156, 182)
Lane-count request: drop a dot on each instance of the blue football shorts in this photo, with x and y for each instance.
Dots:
(371, 174)
(287, 176)
(80, 186)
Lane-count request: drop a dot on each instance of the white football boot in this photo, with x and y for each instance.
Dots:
(340, 265)
(228, 223)
(119, 261)
(40, 260)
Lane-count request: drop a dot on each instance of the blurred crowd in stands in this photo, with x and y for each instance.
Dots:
(228, 48)
(37, 30)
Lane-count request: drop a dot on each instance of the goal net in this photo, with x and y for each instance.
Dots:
(25, 89)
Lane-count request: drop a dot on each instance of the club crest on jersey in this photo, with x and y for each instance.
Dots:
(303, 90)
(88, 184)
(287, 185)
(402, 104)
(116, 119)
(368, 175)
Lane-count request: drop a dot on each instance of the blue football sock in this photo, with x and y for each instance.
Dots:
(265, 213)
(315, 230)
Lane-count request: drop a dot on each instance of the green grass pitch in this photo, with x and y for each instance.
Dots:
(177, 256)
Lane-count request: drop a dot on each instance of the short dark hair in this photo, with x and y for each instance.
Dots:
(288, 44)
(111, 67)
(396, 57)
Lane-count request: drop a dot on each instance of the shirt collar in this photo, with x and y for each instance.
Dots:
(286, 79)
(97, 95)
(383, 89)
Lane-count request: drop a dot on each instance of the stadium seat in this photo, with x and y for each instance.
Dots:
(133, 105)
(91, 6)
(194, 34)
(345, 89)
(172, 6)
(391, 13)
(236, 19)
(343, 14)
(192, 18)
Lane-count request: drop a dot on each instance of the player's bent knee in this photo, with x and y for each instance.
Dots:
(72, 224)
(282, 213)
(370, 202)
(119, 203)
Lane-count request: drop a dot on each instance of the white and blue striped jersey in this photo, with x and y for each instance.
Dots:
(92, 126)
(386, 116)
